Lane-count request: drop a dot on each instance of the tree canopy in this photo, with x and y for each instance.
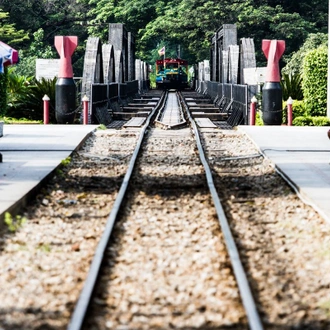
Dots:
(8, 31)
(185, 23)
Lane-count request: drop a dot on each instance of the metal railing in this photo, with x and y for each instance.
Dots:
(103, 96)
(231, 99)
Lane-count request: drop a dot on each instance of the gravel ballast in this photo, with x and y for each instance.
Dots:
(284, 244)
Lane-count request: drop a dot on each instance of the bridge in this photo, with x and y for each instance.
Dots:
(112, 74)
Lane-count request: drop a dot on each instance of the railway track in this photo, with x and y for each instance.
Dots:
(166, 264)
(149, 279)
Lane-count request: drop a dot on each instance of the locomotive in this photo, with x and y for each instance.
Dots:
(171, 73)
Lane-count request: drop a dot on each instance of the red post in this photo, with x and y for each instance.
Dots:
(253, 110)
(46, 100)
(85, 101)
(289, 105)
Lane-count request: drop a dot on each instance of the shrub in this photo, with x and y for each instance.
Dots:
(302, 121)
(298, 108)
(34, 98)
(17, 90)
(321, 121)
(259, 121)
(26, 97)
(152, 77)
(314, 84)
(3, 93)
(292, 86)
(311, 121)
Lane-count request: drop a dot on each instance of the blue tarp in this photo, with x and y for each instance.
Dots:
(8, 56)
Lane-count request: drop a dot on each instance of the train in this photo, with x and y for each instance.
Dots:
(171, 73)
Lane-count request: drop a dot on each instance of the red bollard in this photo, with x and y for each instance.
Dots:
(85, 101)
(289, 103)
(253, 110)
(46, 100)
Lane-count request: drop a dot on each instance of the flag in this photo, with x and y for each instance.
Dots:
(161, 51)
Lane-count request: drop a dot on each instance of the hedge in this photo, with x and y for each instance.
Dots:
(314, 84)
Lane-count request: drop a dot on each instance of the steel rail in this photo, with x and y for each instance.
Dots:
(81, 308)
(242, 282)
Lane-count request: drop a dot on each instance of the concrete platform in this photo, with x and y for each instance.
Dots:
(30, 153)
(302, 156)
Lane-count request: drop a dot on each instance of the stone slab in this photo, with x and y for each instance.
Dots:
(135, 122)
(205, 123)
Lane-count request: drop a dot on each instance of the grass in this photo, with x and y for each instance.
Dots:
(14, 223)
(325, 306)
(11, 120)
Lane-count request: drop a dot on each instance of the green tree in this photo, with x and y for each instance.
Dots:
(10, 35)
(18, 88)
(266, 22)
(294, 64)
(8, 32)
(27, 64)
(56, 17)
(189, 23)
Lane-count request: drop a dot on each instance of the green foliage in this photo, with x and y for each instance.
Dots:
(295, 61)
(321, 121)
(325, 304)
(292, 86)
(189, 23)
(259, 121)
(17, 89)
(152, 77)
(34, 100)
(27, 101)
(298, 108)
(270, 21)
(37, 49)
(56, 17)
(66, 161)
(44, 248)
(14, 224)
(11, 120)
(60, 170)
(8, 31)
(311, 121)
(315, 68)
(3, 92)
(302, 121)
